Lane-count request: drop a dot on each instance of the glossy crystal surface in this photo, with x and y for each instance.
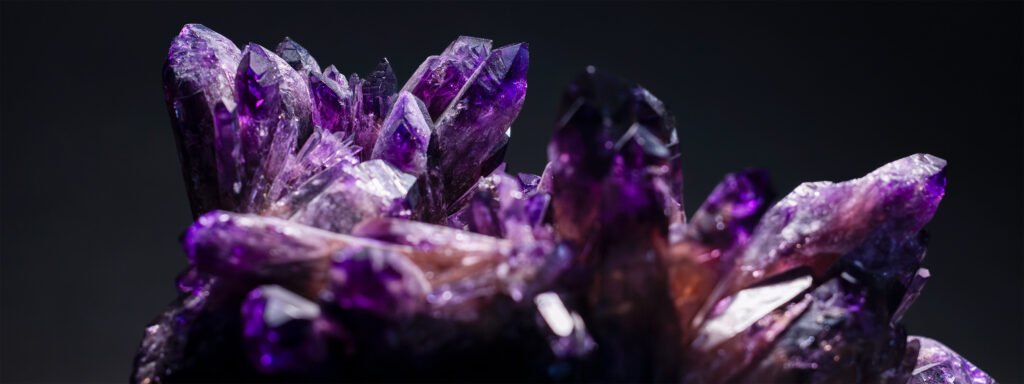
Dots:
(351, 230)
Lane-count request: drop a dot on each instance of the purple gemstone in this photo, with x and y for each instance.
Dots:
(323, 150)
(273, 108)
(246, 248)
(818, 222)
(728, 216)
(440, 78)
(937, 364)
(379, 90)
(565, 330)
(299, 59)
(404, 136)
(331, 101)
(378, 280)
(197, 76)
(296, 56)
(473, 132)
(280, 330)
(368, 190)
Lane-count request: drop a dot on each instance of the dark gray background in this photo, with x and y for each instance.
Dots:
(93, 201)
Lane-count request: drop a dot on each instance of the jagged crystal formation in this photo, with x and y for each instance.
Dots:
(350, 230)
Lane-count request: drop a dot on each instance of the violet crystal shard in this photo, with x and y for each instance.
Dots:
(347, 230)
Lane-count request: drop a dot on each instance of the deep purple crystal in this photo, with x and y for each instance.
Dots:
(197, 76)
(937, 364)
(377, 280)
(273, 108)
(474, 130)
(279, 328)
(404, 135)
(440, 78)
(348, 231)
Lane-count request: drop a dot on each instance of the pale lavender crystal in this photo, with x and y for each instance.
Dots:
(280, 330)
(321, 151)
(297, 56)
(246, 249)
(344, 229)
(197, 76)
(737, 313)
(473, 132)
(565, 330)
(440, 78)
(331, 72)
(726, 361)
(273, 108)
(818, 222)
(528, 181)
(370, 189)
(377, 280)
(937, 364)
(365, 124)
(405, 134)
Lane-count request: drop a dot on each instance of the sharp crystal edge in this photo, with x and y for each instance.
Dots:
(351, 230)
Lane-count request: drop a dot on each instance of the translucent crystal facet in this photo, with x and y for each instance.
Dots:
(347, 230)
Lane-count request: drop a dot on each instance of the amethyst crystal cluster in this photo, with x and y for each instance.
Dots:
(349, 229)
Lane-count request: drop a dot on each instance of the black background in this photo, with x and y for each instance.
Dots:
(93, 200)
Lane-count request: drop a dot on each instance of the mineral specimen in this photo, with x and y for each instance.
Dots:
(349, 230)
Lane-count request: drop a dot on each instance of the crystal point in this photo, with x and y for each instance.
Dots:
(937, 364)
(349, 231)
(405, 135)
(197, 76)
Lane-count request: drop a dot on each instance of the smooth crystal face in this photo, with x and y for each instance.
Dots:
(349, 230)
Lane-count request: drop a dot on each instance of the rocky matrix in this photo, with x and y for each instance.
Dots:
(348, 229)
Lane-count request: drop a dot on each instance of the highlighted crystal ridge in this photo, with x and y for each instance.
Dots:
(351, 230)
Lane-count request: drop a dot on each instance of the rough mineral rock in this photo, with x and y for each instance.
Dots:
(349, 231)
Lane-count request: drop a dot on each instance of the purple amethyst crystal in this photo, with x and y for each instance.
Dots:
(296, 56)
(198, 75)
(377, 280)
(937, 364)
(404, 135)
(349, 231)
(440, 78)
(280, 330)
